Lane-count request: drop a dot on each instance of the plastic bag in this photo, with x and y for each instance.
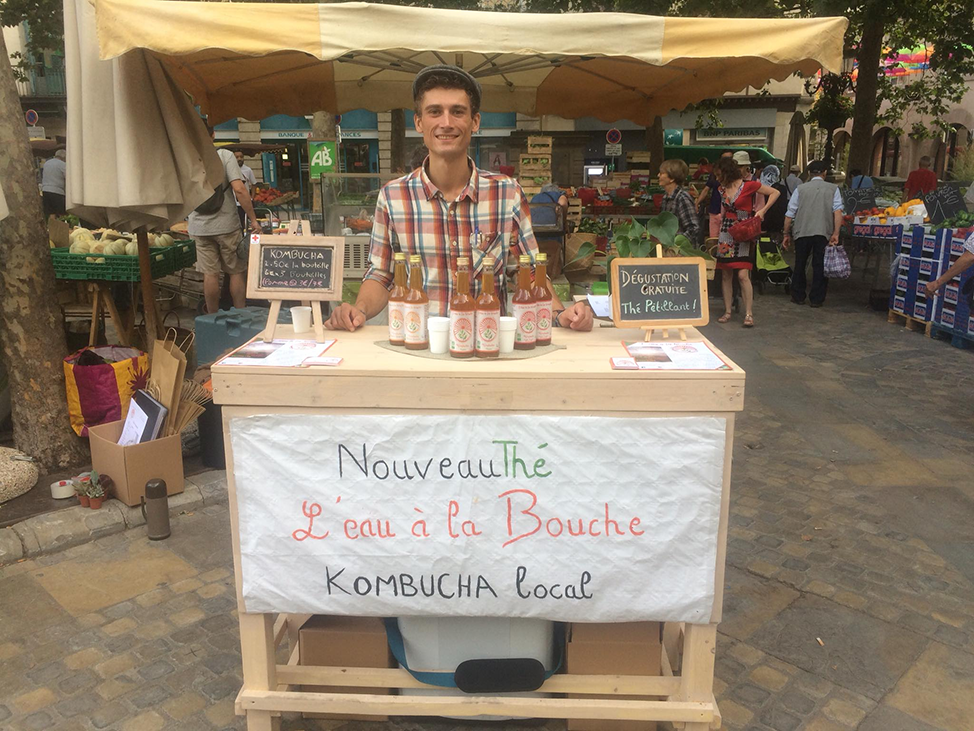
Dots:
(837, 264)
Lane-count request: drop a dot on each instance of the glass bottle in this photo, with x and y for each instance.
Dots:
(400, 288)
(523, 306)
(416, 308)
(463, 313)
(542, 298)
(487, 343)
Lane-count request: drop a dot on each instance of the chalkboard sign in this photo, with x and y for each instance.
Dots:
(858, 199)
(943, 203)
(659, 293)
(306, 268)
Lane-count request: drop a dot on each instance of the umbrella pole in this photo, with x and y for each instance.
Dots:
(148, 289)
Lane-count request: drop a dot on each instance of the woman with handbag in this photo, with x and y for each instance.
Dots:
(740, 226)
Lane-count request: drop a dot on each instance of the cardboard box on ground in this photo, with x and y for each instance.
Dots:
(345, 642)
(132, 466)
(628, 648)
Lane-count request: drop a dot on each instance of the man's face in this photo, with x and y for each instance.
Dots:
(240, 157)
(446, 122)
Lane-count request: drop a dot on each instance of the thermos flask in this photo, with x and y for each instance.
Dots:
(155, 510)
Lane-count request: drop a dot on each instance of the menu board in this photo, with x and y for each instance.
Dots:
(658, 293)
(305, 268)
(858, 199)
(943, 203)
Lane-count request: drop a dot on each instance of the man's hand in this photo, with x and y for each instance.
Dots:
(255, 227)
(346, 317)
(932, 287)
(834, 239)
(576, 317)
(786, 241)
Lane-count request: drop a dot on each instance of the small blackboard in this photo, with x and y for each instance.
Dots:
(296, 267)
(659, 293)
(858, 199)
(943, 203)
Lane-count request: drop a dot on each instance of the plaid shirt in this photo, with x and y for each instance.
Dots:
(412, 215)
(681, 204)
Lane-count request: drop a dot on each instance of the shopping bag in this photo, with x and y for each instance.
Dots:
(99, 383)
(168, 370)
(837, 264)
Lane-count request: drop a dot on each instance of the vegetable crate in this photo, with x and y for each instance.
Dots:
(920, 261)
(952, 314)
(539, 145)
(542, 162)
(184, 254)
(109, 268)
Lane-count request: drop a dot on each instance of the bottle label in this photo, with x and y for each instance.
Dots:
(415, 317)
(525, 316)
(544, 321)
(462, 332)
(396, 324)
(488, 331)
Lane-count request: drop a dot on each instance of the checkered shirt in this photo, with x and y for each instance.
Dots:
(412, 216)
(681, 204)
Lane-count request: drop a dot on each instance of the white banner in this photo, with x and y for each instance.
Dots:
(557, 517)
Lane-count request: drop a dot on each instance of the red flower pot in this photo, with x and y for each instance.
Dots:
(95, 502)
(83, 499)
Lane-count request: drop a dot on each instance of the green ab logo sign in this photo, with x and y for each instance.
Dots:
(323, 156)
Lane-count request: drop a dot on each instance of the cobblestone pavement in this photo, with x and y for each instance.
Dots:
(852, 522)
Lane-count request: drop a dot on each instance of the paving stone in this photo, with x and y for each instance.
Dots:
(37, 721)
(750, 696)
(768, 678)
(5, 712)
(77, 682)
(84, 658)
(34, 700)
(219, 623)
(11, 548)
(84, 703)
(779, 719)
(149, 651)
(220, 688)
(119, 627)
(156, 670)
(223, 663)
(938, 689)
(795, 701)
(734, 715)
(115, 687)
(185, 705)
(115, 665)
(150, 721)
(886, 718)
(109, 715)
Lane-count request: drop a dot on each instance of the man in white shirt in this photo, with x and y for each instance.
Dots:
(250, 180)
(53, 177)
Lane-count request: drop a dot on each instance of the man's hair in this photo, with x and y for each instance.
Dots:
(855, 172)
(61, 155)
(926, 161)
(727, 170)
(817, 167)
(703, 161)
(676, 169)
(446, 80)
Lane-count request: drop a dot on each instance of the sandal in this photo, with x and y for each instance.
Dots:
(726, 317)
(748, 321)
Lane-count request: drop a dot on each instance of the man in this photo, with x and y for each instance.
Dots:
(714, 209)
(858, 180)
(447, 208)
(250, 180)
(52, 185)
(815, 209)
(965, 261)
(920, 181)
(217, 236)
(793, 181)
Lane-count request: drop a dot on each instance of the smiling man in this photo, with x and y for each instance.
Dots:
(447, 208)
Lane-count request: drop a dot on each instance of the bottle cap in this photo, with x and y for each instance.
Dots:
(541, 258)
(463, 261)
(399, 256)
(524, 259)
(489, 262)
(415, 259)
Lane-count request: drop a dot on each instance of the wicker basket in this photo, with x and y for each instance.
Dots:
(573, 242)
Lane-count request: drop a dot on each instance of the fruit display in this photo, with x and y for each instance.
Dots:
(266, 195)
(110, 242)
(962, 222)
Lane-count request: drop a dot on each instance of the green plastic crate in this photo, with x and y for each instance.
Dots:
(114, 268)
(184, 254)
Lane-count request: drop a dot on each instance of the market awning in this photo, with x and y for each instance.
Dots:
(257, 59)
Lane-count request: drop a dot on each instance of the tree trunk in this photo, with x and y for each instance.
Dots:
(31, 324)
(322, 128)
(654, 142)
(864, 118)
(827, 154)
(398, 151)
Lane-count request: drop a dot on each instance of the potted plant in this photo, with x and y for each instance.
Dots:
(585, 239)
(80, 490)
(96, 494)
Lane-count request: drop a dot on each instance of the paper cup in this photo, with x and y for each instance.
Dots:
(508, 328)
(439, 332)
(301, 319)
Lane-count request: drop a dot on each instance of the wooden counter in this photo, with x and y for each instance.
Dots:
(576, 381)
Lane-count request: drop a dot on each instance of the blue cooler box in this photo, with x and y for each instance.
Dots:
(227, 329)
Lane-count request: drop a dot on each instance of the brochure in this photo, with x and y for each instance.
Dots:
(677, 356)
(277, 353)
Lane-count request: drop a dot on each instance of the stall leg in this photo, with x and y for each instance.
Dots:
(95, 315)
(697, 679)
(259, 670)
(120, 329)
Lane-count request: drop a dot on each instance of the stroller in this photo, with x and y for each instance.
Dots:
(771, 265)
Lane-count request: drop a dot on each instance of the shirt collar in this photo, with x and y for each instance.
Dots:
(471, 190)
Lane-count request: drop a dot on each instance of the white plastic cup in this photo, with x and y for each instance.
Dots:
(301, 319)
(439, 332)
(508, 328)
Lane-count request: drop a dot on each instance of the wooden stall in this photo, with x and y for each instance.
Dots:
(568, 386)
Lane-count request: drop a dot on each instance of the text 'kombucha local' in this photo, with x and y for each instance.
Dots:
(397, 324)
(463, 313)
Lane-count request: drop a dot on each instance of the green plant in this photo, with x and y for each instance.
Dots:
(963, 164)
(593, 226)
(633, 240)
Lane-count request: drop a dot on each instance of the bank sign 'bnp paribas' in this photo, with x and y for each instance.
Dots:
(322, 157)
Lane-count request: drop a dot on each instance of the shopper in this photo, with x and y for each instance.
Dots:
(447, 208)
(217, 235)
(53, 176)
(858, 180)
(774, 220)
(793, 180)
(712, 190)
(815, 209)
(250, 180)
(920, 181)
(737, 200)
(676, 199)
(704, 169)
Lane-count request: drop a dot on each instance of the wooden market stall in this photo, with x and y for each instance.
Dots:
(672, 432)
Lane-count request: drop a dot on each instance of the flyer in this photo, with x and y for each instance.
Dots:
(676, 356)
(278, 353)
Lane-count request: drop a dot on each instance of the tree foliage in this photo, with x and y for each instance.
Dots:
(45, 21)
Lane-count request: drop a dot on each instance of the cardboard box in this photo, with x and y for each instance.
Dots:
(358, 642)
(627, 648)
(131, 467)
